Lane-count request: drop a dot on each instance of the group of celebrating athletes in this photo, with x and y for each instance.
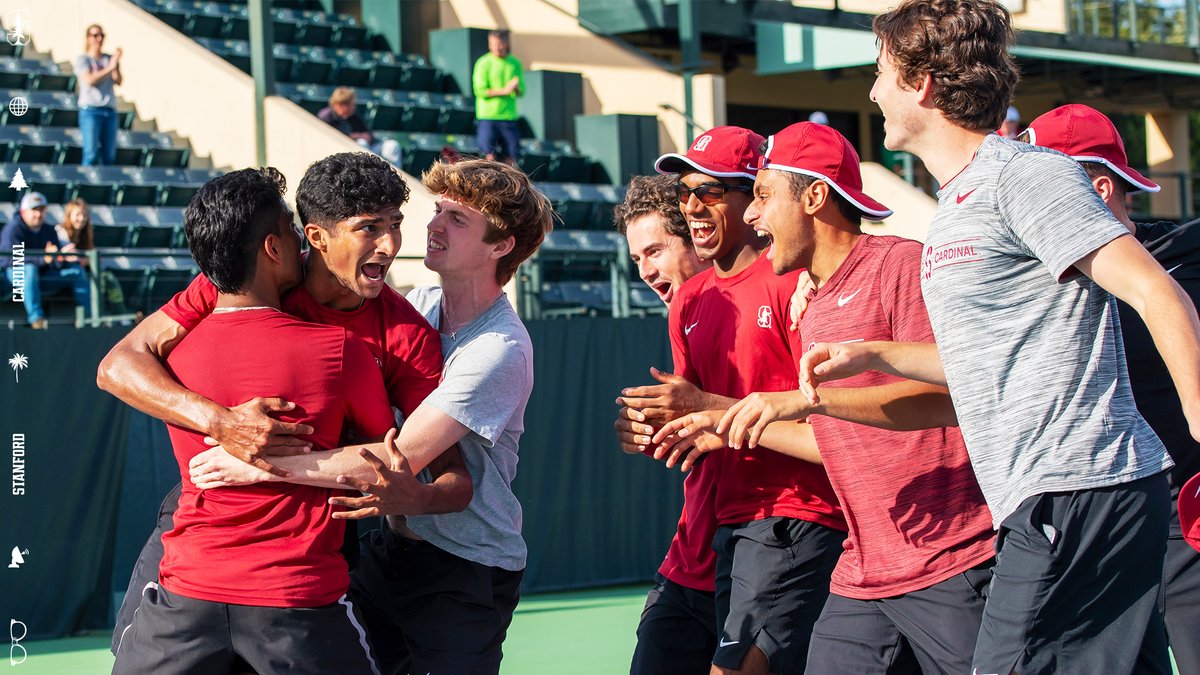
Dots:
(902, 457)
(992, 501)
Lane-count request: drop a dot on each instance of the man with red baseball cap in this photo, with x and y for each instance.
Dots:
(906, 595)
(778, 528)
(1089, 137)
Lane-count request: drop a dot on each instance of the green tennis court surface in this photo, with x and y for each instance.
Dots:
(583, 633)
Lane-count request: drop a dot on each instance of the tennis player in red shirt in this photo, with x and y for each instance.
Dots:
(256, 572)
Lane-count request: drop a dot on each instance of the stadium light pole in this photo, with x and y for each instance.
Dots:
(689, 53)
(262, 68)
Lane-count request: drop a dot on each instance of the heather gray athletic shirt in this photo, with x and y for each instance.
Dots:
(1031, 348)
(486, 383)
(101, 95)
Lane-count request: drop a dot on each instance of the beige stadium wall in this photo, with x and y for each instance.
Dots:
(189, 91)
(912, 208)
(547, 36)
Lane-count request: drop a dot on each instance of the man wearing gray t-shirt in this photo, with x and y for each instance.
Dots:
(438, 592)
(1018, 267)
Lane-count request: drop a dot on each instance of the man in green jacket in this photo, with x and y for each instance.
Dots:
(498, 81)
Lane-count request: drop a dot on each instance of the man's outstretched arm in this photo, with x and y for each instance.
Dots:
(133, 371)
(1124, 268)
(387, 470)
(827, 361)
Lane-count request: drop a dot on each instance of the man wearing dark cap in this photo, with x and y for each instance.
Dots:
(38, 274)
(906, 595)
(778, 527)
(1089, 137)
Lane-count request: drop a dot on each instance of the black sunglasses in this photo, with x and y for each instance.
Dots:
(708, 193)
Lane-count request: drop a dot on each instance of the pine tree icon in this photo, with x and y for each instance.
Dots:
(18, 181)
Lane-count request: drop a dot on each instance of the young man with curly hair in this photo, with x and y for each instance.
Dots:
(438, 592)
(1018, 272)
(276, 596)
(349, 205)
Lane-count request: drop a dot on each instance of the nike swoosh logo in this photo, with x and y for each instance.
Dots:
(842, 300)
(726, 643)
(1174, 268)
(687, 330)
(962, 196)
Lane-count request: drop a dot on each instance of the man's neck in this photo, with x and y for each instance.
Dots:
(738, 259)
(831, 248)
(325, 288)
(465, 299)
(261, 293)
(946, 148)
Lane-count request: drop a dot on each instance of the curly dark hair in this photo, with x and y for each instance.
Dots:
(227, 221)
(963, 45)
(653, 194)
(348, 184)
(505, 196)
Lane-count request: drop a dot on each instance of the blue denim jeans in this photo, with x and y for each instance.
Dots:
(500, 138)
(51, 280)
(99, 129)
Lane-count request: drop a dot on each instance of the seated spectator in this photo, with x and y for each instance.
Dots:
(76, 232)
(340, 115)
(26, 230)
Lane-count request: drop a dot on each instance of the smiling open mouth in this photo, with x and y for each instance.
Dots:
(373, 271)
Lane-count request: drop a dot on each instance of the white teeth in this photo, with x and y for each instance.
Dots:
(434, 246)
(762, 234)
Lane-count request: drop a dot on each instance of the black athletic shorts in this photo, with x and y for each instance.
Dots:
(1180, 600)
(1075, 583)
(929, 631)
(678, 631)
(430, 612)
(772, 582)
(176, 635)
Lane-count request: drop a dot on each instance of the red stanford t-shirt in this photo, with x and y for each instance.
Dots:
(915, 512)
(270, 544)
(729, 336)
(405, 346)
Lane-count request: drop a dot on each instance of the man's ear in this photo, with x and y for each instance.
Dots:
(503, 247)
(924, 89)
(1105, 186)
(317, 237)
(816, 197)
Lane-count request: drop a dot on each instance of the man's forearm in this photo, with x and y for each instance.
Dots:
(900, 406)
(1171, 319)
(133, 372)
(794, 439)
(450, 491)
(918, 361)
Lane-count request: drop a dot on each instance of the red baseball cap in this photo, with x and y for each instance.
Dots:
(1189, 511)
(725, 152)
(822, 152)
(1087, 135)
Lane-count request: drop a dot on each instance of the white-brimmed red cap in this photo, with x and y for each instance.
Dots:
(1087, 135)
(822, 152)
(724, 152)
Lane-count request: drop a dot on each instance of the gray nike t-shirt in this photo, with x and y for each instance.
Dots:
(1031, 348)
(486, 383)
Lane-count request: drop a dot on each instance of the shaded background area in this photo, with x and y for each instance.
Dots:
(96, 471)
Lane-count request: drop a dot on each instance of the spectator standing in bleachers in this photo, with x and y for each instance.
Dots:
(40, 273)
(341, 115)
(77, 234)
(497, 82)
(96, 73)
